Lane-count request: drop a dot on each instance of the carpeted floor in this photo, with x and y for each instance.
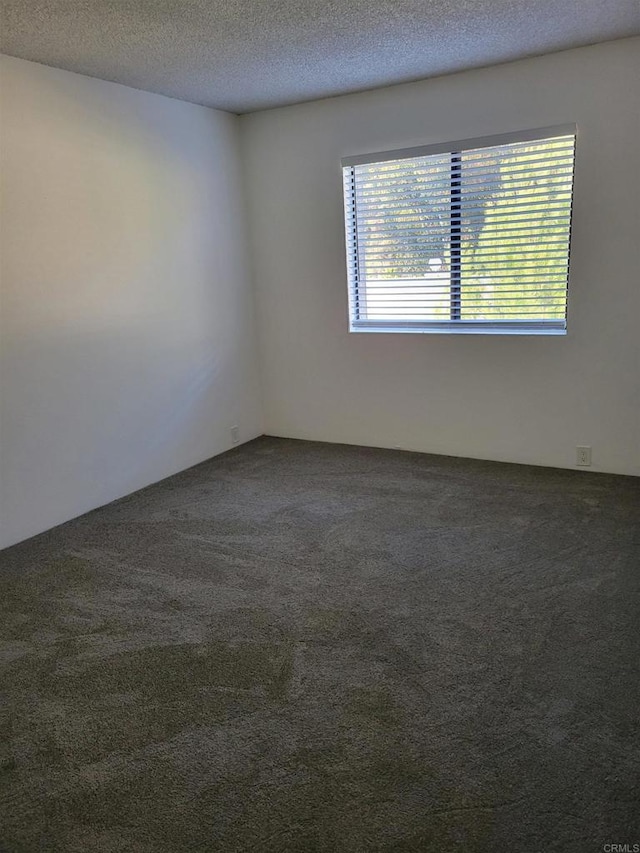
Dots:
(311, 647)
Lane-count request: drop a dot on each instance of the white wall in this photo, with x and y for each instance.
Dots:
(126, 336)
(521, 399)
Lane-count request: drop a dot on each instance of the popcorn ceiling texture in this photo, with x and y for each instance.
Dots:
(243, 55)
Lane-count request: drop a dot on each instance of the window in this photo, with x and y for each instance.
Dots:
(465, 237)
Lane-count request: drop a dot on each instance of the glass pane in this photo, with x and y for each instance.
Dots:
(516, 206)
(403, 219)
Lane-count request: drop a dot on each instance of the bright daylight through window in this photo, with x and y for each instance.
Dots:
(464, 237)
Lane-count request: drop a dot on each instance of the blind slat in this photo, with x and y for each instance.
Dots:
(531, 201)
(379, 170)
(438, 184)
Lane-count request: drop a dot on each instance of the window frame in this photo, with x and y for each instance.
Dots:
(455, 325)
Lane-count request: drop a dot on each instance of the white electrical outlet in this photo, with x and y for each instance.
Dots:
(583, 456)
(235, 434)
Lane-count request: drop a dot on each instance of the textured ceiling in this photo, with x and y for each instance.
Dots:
(243, 55)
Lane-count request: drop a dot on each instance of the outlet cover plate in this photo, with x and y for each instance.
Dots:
(583, 455)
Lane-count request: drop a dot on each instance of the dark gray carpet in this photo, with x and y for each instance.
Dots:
(311, 647)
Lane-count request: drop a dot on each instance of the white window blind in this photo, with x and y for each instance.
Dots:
(467, 237)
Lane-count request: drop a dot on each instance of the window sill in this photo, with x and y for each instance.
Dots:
(457, 328)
